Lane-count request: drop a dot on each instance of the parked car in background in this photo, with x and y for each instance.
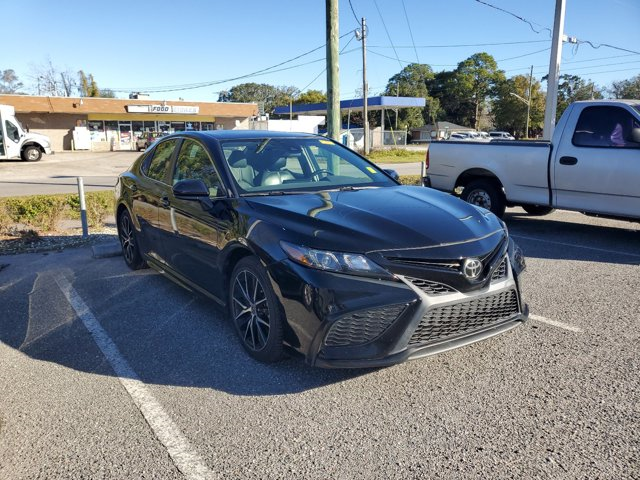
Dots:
(501, 136)
(143, 142)
(316, 250)
(591, 165)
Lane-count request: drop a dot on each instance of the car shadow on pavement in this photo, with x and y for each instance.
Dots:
(561, 237)
(168, 337)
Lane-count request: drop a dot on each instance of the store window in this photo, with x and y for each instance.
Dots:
(208, 126)
(177, 126)
(96, 130)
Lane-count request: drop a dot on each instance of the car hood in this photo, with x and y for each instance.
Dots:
(38, 137)
(419, 221)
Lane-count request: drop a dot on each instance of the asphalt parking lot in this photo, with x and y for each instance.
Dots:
(108, 373)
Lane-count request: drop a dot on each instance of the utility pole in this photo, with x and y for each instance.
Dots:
(333, 71)
(365, 89)
(554, 70)
(526, 129)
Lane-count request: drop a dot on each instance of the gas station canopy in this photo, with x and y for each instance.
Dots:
(356, 104)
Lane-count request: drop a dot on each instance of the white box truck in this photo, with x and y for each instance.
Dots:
(15, 142)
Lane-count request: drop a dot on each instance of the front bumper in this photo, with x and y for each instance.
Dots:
(345, 321)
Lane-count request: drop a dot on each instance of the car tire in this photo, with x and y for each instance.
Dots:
(255, 311)
(129, 242)
(31, 154)
(537, 210)
(486, 194)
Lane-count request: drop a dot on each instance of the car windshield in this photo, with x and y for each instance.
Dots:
(262, 166)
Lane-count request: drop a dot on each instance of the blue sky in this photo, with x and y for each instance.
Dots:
(143, 44)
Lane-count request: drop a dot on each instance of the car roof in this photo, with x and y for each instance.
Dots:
(242, 134)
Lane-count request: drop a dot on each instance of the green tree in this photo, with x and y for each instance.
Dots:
(266, 96)
(412, 81)
(475, 79)
(510, 112)
(572, 88)
(311, 96)
(9, 82)
(627, 88)
(88, 86)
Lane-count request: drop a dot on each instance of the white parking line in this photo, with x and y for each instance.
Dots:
(555, 323)
(183, 455)
(565, 244)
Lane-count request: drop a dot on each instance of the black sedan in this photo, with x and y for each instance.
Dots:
(313, 249)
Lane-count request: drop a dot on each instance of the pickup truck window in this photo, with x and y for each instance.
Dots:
(603, 126)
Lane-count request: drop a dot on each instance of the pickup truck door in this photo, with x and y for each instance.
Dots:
(596, 165)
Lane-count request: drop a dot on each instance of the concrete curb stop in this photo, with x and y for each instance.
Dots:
(106, 250)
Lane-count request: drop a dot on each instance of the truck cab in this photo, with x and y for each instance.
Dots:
(16, 143)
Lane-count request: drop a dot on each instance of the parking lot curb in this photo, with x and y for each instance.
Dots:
(106, 250)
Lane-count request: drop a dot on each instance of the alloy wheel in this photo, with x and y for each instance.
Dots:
(250, 310)
(127, 239)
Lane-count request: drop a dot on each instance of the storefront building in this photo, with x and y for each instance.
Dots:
(104, 124)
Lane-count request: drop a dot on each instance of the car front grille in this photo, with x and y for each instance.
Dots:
(431, 288)
(361, 327)
(452, 320)
(500, 272)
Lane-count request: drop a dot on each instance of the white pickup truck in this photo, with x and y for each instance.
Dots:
(592, 165)
(15, 142)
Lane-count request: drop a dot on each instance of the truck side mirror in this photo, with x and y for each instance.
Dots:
(635, 135)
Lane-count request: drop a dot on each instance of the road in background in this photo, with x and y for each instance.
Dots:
(558, 397)
(57, 173)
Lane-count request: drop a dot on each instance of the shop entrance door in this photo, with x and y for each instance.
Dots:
(126, 142)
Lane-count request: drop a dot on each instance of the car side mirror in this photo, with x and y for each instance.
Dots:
(392, 173)
(635, 135)
(190, 189)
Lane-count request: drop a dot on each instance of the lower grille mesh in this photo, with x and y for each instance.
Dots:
(452, 320)
(500, 272)
(362, 327)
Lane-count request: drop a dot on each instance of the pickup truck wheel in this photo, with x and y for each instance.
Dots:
(31, 154)
(537, 210)
(485, 194)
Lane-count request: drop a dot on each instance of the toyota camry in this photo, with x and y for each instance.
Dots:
(311, 248)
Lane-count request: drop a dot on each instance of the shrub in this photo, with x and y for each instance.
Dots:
(411, 179)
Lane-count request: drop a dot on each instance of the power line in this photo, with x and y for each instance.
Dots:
(191, 86)
(325, 69)
(354, 13)
(375, 2)
(410, 32)
(461, 44)
(522, 19)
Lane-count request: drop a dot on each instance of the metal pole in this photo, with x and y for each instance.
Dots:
(83, 208)
(554, 71)
(529, 102)
(333, 71)
(365, 93)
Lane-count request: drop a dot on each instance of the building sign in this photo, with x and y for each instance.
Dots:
(176, 109)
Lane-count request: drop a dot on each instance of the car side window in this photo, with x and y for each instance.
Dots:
(194, 163)
(159, 163)
(604, 126)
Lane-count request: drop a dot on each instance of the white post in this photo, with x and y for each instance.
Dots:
(554, 71)
(83, 208)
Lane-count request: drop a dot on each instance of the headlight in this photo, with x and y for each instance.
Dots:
(351, 263)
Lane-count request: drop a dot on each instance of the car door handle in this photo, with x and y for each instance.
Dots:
(164, 201)
(568, 160)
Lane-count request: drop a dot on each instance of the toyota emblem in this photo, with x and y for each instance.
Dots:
(472, 267)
